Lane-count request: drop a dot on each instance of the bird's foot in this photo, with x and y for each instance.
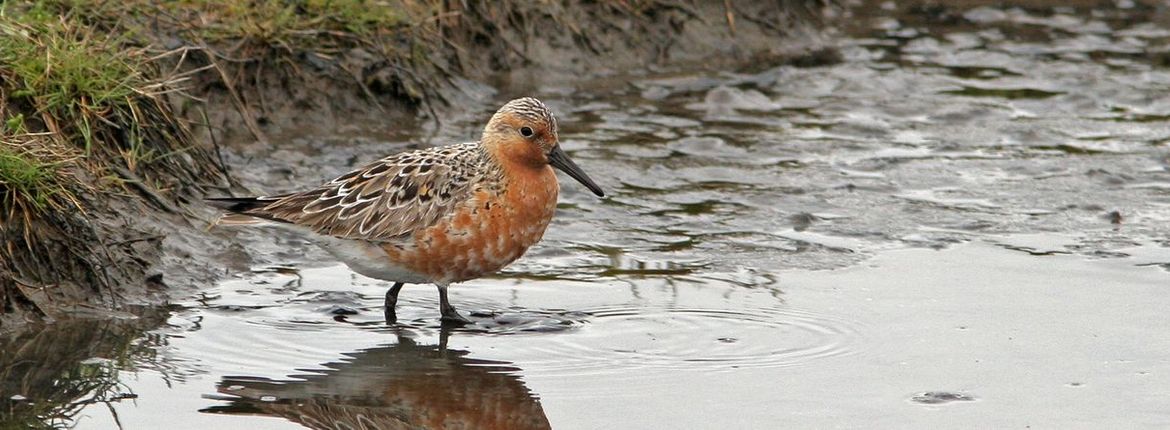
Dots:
(451, 316)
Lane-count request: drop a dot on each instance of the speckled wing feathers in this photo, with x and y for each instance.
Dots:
(385, 200)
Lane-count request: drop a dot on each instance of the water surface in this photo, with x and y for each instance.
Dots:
(963, 221)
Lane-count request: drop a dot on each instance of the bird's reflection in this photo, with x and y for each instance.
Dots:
(400, 386)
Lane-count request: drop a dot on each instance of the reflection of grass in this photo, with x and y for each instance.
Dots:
(64, 368)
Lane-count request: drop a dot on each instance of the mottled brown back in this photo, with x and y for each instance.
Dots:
(387, 199)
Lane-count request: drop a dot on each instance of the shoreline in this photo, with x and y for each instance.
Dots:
(135, 134)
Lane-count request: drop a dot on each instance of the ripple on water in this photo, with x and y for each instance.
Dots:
(703, 321)
(625, 339)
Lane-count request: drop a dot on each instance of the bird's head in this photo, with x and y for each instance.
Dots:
(524, 132)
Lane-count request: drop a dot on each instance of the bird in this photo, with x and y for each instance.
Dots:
(438, 215)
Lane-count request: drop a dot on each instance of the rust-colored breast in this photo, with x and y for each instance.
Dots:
(487, 233)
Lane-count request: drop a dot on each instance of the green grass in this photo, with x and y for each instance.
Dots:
(33, 174)
(70, 76)
(30, 179)
(66, 68)
(25, 178)
(63, 88)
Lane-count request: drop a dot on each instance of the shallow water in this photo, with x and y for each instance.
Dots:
(964, 221)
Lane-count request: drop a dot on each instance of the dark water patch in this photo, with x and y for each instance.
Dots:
(1039, 244)
(705, 207)
(938, 197)
(238, 308)
(627, 266)
(745, 277)
(1163, 266)
(1067, 149)
(484, 320)
(980, 72)
(941, 397)
(1006, 93)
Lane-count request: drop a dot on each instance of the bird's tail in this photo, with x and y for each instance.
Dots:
(238, 204)
(238, 208)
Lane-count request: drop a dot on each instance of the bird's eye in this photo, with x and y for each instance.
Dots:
(526, 131)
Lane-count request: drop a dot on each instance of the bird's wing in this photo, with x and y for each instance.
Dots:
(384, 200)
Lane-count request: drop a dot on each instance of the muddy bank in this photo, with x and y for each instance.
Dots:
(486, 46)
(225, 88)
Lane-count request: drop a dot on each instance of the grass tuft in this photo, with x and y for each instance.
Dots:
(66, 69)
(25, 178)
(87, 120)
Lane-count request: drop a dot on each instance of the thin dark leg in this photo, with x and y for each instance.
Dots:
(444, 335)
(392, 301)
(449, 313)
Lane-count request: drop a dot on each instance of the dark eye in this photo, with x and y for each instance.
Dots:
(526, 131)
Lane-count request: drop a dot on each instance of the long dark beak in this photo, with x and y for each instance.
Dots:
(557, 158)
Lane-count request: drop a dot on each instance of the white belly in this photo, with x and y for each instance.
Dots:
(368, 260)
(362, 257)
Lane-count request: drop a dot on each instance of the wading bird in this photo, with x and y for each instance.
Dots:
(439, 215)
